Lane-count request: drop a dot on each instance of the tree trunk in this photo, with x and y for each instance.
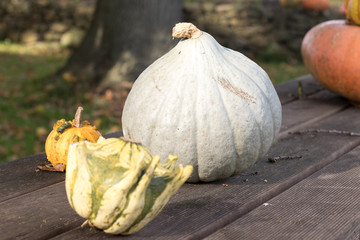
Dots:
(124, 38)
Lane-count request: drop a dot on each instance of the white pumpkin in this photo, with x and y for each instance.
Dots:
(209, 105)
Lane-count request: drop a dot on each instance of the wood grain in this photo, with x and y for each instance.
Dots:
(323, 206)
(20, 176)
(198, 210)
(314, 108)
(289, 91)
(34, 205)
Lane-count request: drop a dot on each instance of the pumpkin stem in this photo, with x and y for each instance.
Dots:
(77, 120)
(186, 30)
(129, 140)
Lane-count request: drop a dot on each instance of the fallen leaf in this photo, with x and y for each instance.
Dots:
(3, 150)
(109, 95)
(39, 108)
(20, 133)
(17, 148)
(97, 122)
(114, 128)
(48, 167)
(41, 133)
(69, 77)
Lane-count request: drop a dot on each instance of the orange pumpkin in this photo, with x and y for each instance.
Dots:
(65, 133)
(330, 53)
(315, 5)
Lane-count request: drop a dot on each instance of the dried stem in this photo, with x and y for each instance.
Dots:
(77, 120)
(349, 133)
(275, 159)
(85, 223)
(186, 30)
(129, 140)
(301, 91)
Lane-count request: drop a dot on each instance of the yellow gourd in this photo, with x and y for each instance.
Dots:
(352, 11)
(65, 133)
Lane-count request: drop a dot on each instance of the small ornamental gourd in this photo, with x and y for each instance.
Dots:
(209, 105)
(65, 133)
(330, 53)
(352, 11)
(118, 185)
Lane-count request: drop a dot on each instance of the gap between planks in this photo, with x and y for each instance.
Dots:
(304, 125)
(262, 196)
(322, 206)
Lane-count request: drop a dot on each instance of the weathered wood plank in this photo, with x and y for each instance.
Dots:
(316, 150)
(323, 206)
(19, 177)
(289, 91)
(197, 210)
(354, 234)
(317, 104)
(40, 214)
(312, 109)
(24, 178)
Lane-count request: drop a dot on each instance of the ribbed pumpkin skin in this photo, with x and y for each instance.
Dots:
(211, 106)
(118, 186)
(330, 53)
(57, 143)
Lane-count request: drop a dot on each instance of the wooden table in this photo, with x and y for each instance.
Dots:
(314, 194)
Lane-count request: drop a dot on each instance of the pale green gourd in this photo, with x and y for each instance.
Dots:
(118, 186)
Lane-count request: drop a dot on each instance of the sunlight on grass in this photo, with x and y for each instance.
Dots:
(32, 99)
(283, 71)
(33, 49)
(22, 106)
(21, 63)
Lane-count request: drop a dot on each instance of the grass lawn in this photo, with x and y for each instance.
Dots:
(30, 102)
(281, 71)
